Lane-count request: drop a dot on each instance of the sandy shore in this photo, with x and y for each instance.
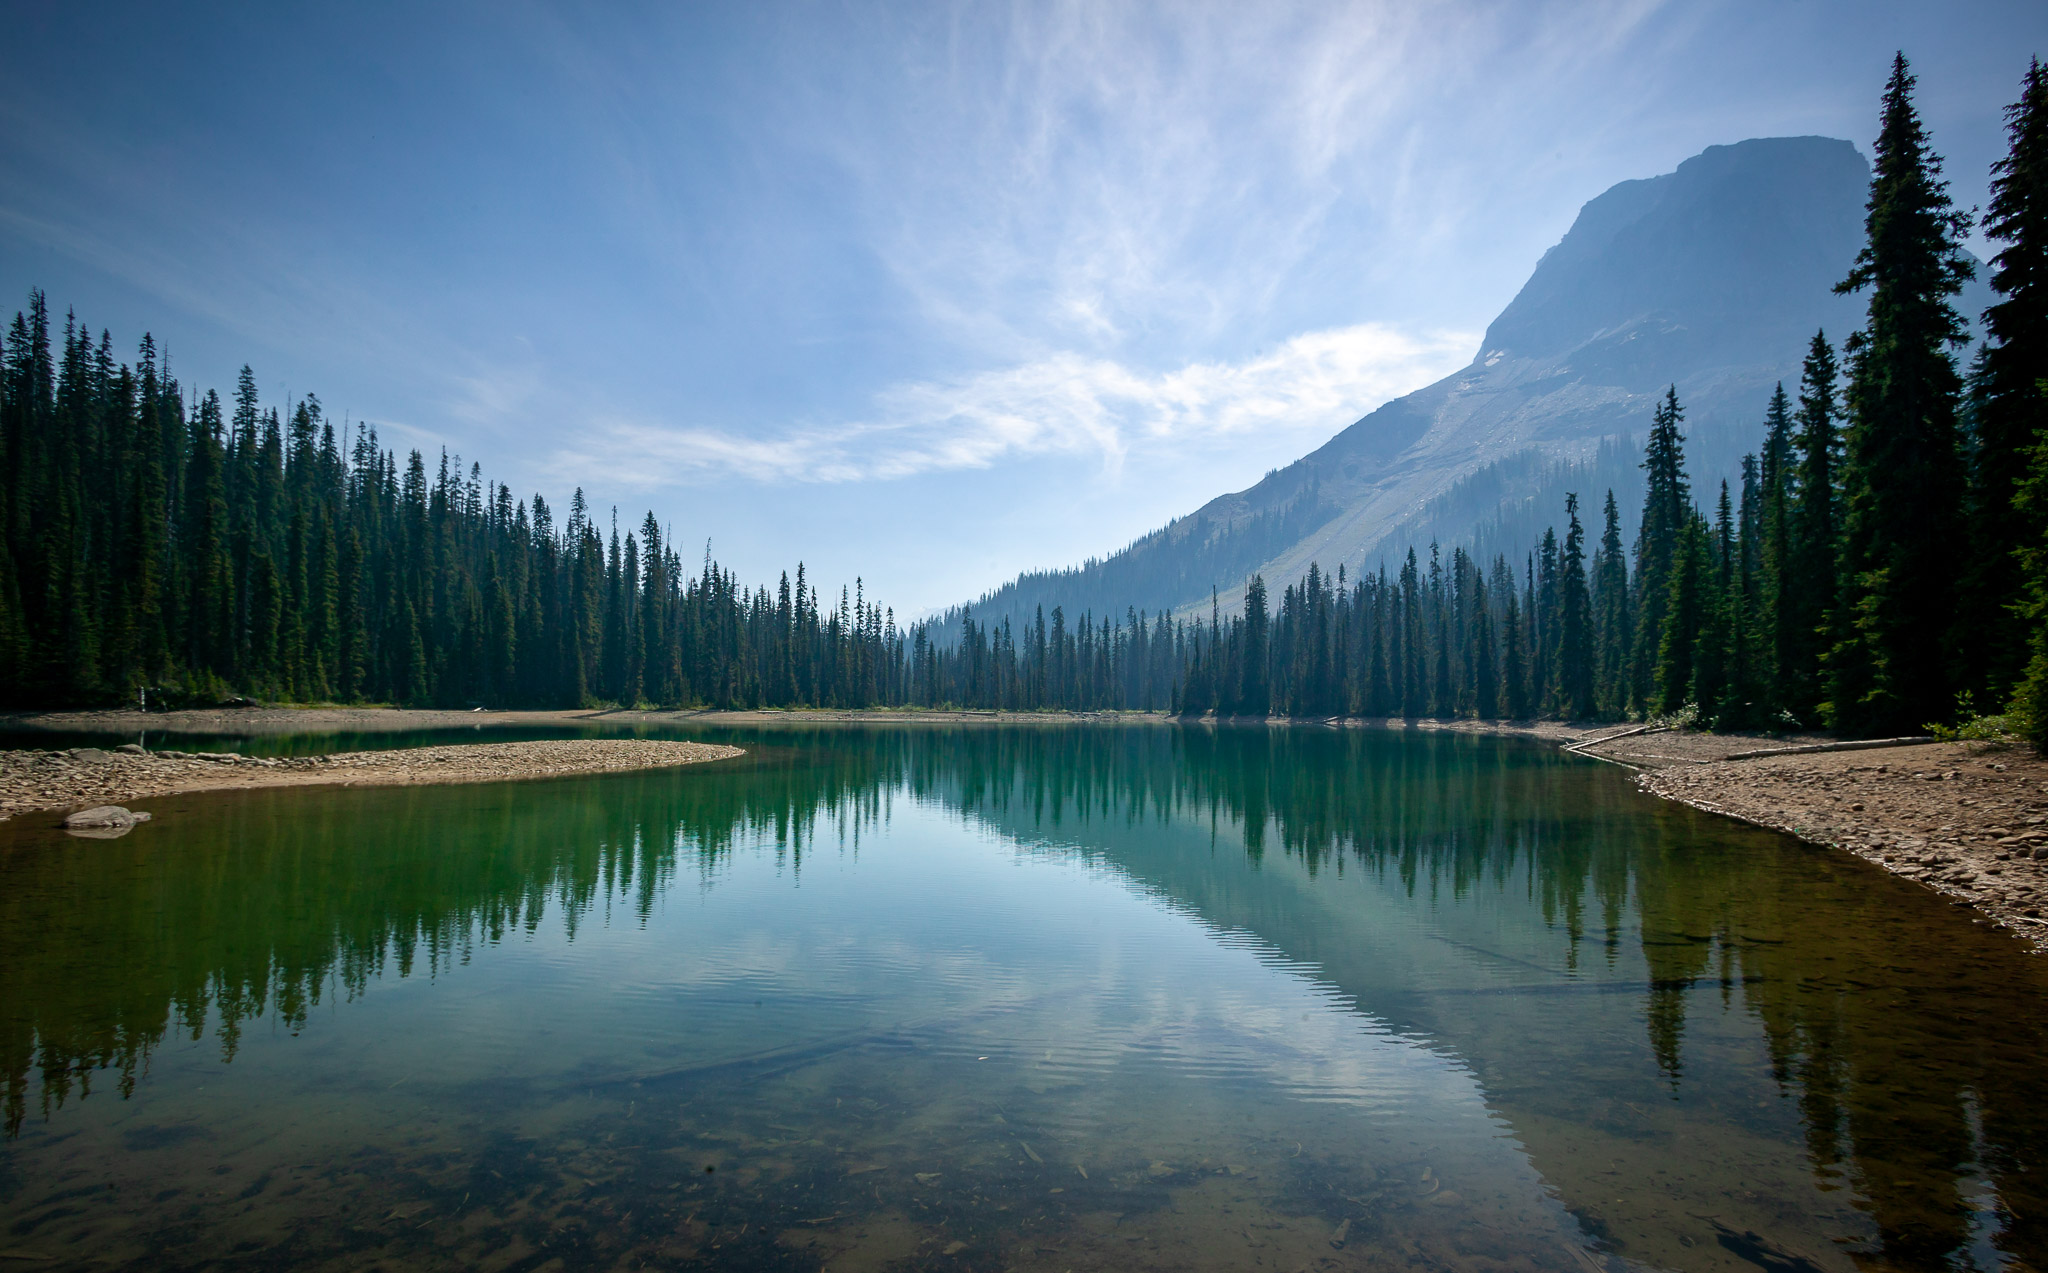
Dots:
(81, 777)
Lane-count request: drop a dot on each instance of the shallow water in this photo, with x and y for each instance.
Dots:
(986, 998)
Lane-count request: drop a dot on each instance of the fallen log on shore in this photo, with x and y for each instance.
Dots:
(1807, 749)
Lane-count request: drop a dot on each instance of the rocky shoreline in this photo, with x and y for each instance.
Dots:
(32, 781)
(1966, 819)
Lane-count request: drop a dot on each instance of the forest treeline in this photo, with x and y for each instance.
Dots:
(1883, 564)
(205, 549)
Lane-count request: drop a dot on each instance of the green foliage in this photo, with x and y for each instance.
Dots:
(1683, 716)
(2002, 729)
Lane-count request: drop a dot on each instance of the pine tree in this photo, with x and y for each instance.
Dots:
(1612, 626)
(1714, 622)
(1749, 654)
(655, 683)
(1414, 685)
(2014, 411)
(1778, 645)
(1485, 667)
(1575, 622)
(1687, 593)
(1379, 690)
(1516, 697)
(352, 666)
(1546, 623)
(204, 529)
(1256, 699)
(1890, 670)
(1667, 509)
(1806, 614)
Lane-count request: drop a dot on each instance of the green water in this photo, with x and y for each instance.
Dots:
(1007, 998)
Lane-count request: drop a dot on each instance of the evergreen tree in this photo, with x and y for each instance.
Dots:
(1687, 594)
(1575, 622)
(1379, 692)
(1414, 683)
(2014, 408)
(1547, 624)
(1806, 613)
(1486, 683)
(1890, 670)
(1516, 697)
(1256, 698)
(1667, 509)
(1778, 645)
(1749, 660)
(1612, 625)
(1714, 622)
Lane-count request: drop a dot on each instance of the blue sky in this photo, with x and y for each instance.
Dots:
(926, 293)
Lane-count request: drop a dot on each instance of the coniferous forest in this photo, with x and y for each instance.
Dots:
(1881, 563)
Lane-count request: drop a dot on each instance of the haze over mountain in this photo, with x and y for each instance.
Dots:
(1713, 278)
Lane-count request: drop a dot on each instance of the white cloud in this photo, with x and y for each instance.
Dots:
(1067, 404)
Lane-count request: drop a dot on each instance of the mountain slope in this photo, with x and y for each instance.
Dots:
(1713, 278)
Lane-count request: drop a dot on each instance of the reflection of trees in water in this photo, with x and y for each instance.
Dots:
(1911, 1039)
(271, 900)
(1911, 1042)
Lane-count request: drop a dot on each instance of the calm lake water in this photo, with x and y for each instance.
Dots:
(1047, 998)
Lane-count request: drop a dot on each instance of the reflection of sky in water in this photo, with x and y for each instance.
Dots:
(1444, 987)
(938, 927)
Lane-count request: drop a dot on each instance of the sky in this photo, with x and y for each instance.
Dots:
(924, 294)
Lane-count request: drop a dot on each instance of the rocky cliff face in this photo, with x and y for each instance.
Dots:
(1712, 278)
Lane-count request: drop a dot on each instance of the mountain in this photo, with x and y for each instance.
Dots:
(1713, 278)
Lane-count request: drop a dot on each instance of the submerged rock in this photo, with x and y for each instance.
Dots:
(106, 815)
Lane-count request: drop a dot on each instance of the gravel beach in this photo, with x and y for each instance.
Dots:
(84, 776)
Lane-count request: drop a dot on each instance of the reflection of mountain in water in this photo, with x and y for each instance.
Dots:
(1638, 988)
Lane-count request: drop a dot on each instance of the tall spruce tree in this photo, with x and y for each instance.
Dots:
(1808, 598)
(1516, 698)
(1890, 670)
(1688, 603)
(1667, 509)
(1714, 644)
(1749, 655)
(1612, 628)
(1777, 643)
(2014, 405)
(1575, 621)
(1256, 697)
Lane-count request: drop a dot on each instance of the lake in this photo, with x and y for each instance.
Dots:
(1045, 997)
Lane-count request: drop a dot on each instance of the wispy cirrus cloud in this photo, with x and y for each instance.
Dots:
(1064, 404)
